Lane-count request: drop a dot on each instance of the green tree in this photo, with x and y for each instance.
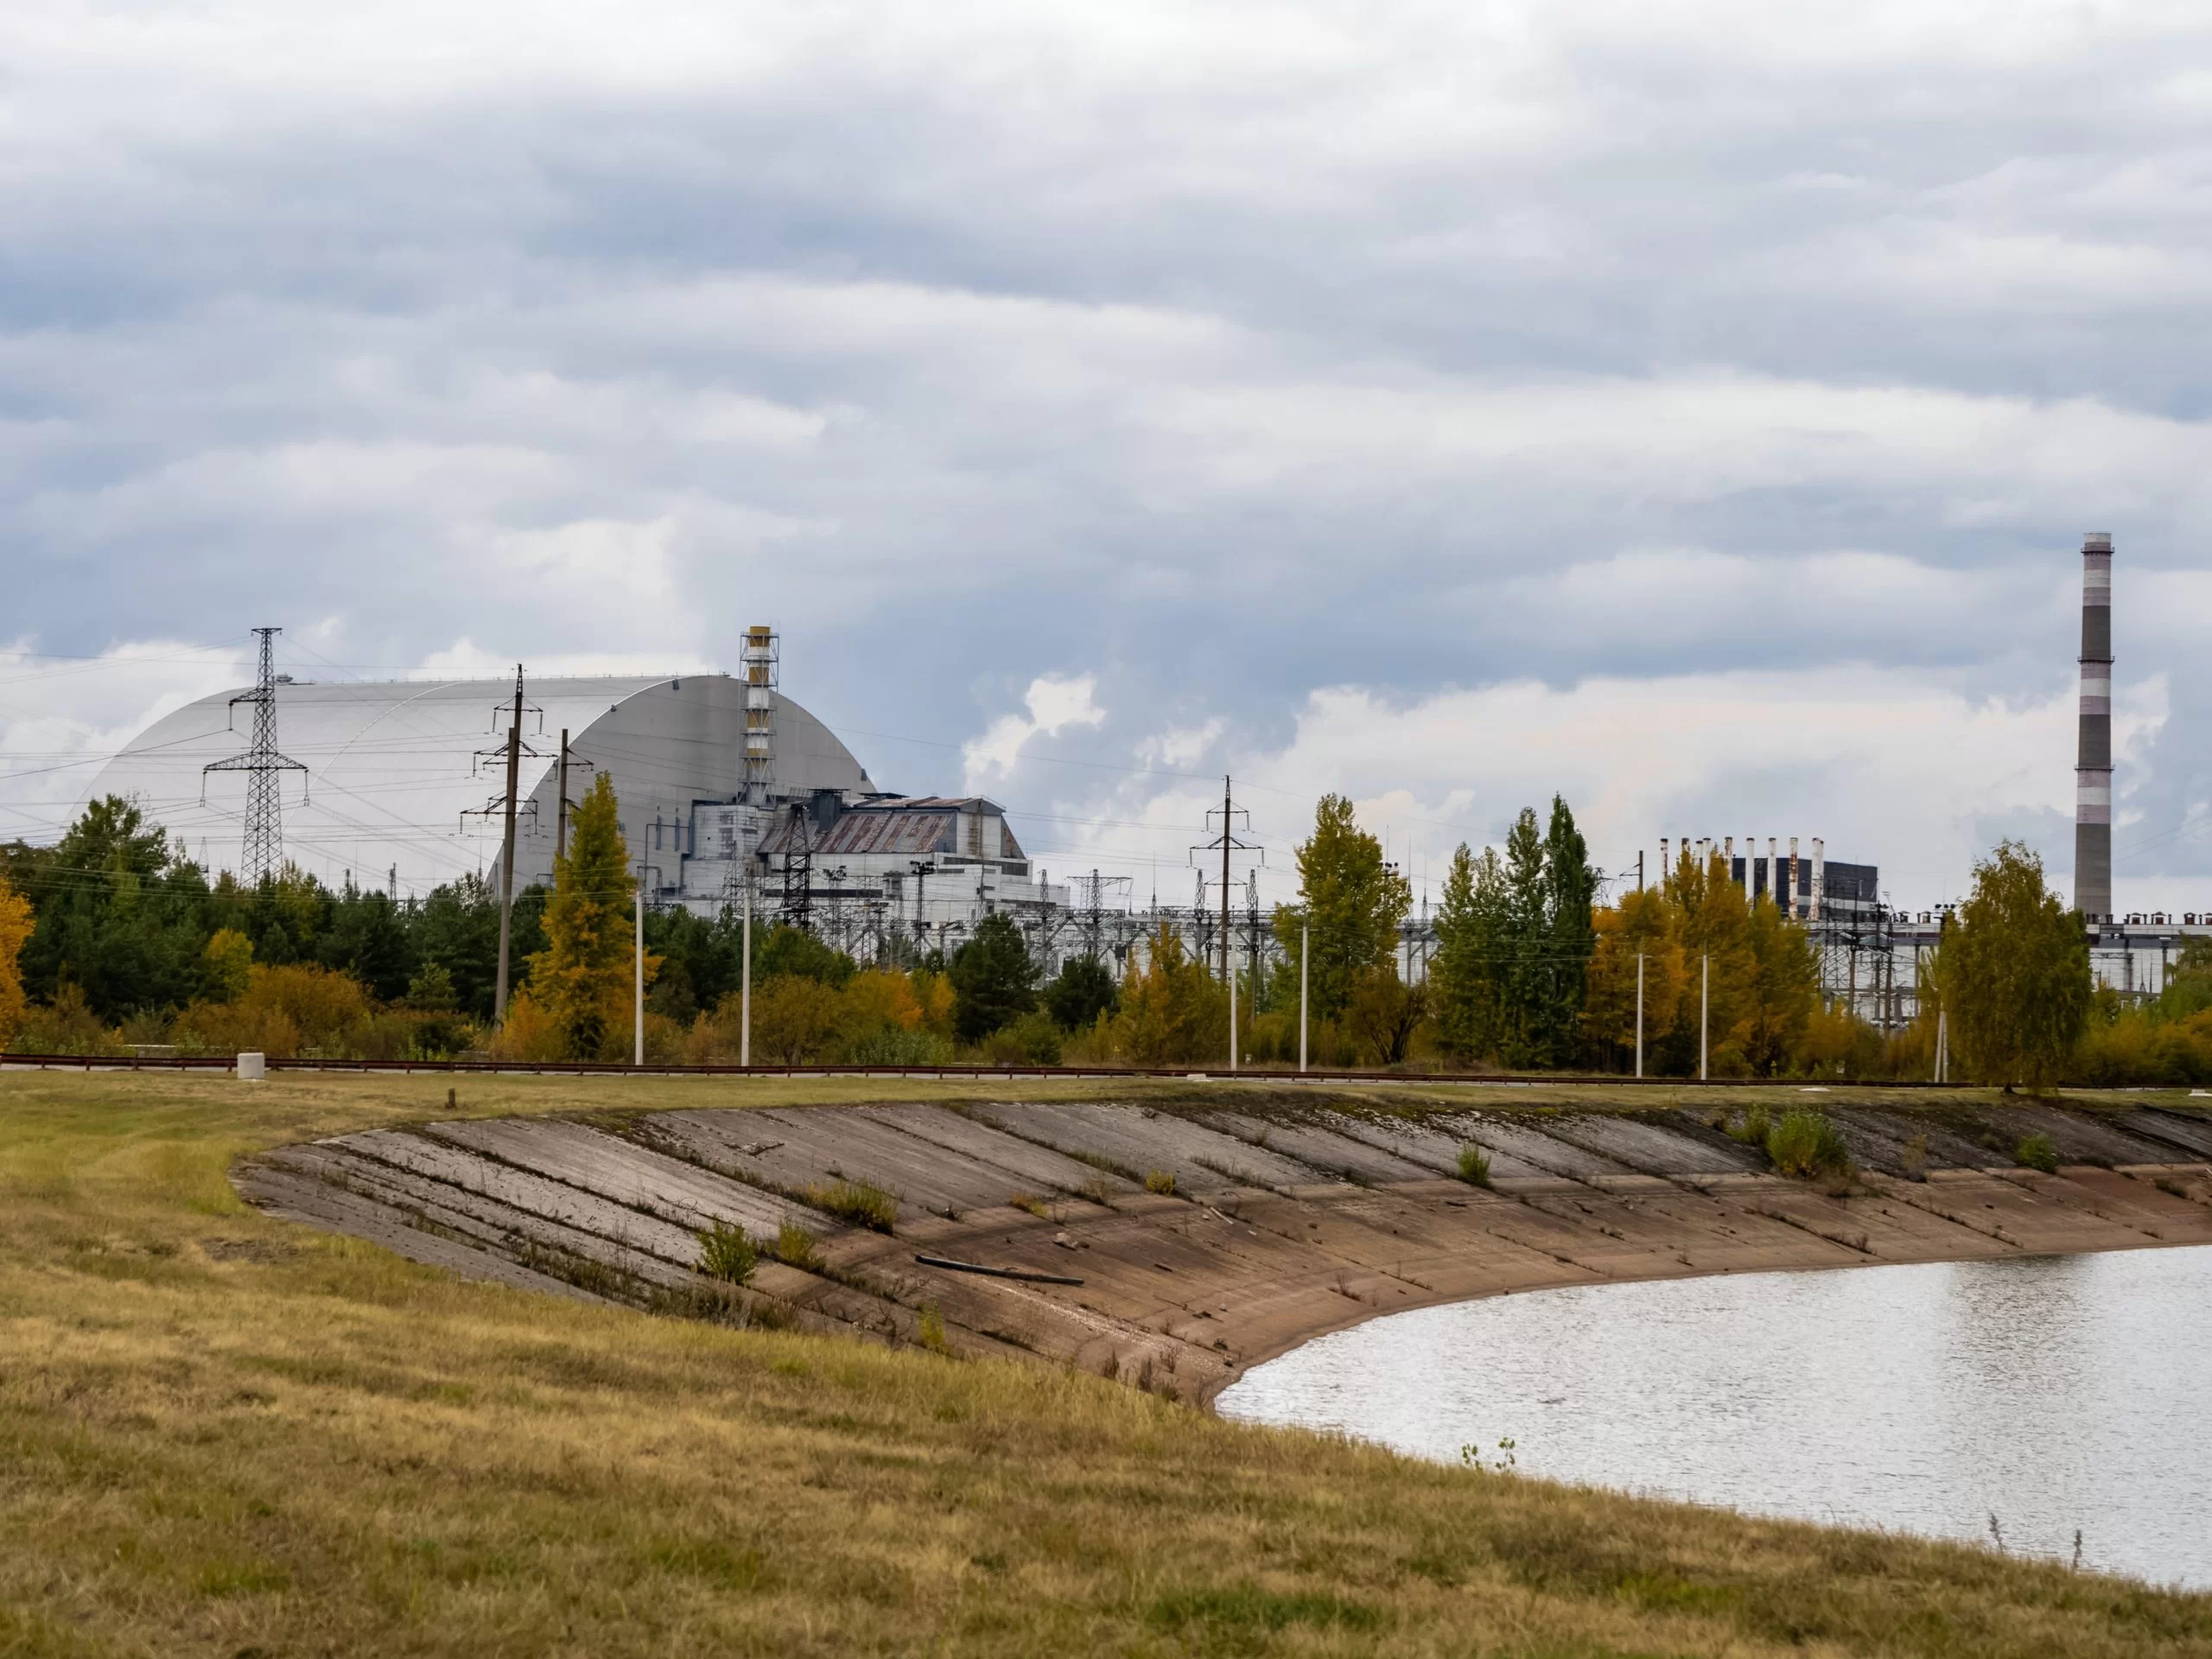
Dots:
(1780, 989)
(120, 913)
(582, 977)
(993, 980)
(789, 950)
(1570, 889)
(1083, 990)
(1383, 1012)
(1351, 900)
(1464, 974)
(2016, 979)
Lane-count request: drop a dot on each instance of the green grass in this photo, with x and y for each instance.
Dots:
(1474, 1165)
(2037, 1151)
(222, 1434)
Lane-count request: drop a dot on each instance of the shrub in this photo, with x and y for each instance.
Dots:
(1474, 1167)
(2037, 1151)
(862, 1203)
(1805, 1144)
(895, 1045)
(930, 1331)
(1033, 1039)
(68, 1026)
(727, 1254)
(795, 1246)
(1160, 1181)
(1755, 1127)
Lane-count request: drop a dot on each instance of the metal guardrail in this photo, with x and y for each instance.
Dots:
(942, 1073)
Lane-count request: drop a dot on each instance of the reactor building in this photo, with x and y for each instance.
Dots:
(730, 792)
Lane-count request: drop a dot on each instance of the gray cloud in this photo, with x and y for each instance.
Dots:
(1220, 356)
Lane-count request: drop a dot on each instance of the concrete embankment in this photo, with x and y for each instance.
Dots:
(1286, 1219)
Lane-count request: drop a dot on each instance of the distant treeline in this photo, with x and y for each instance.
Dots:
(112, 938)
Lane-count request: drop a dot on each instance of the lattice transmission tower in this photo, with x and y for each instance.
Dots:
(261, 852)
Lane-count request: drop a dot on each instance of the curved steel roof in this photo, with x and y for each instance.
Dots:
(394, 767)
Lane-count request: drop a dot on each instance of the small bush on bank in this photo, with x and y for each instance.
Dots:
(2037, 1151)
(862, 1203)
(727, 1254)
(1805, 1144)
(1474, 1167)
(1754, 1130)
(1159, 1181)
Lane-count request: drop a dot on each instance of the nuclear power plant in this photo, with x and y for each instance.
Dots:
(731, 794)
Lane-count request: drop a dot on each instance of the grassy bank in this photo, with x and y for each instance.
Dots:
(222, 1434)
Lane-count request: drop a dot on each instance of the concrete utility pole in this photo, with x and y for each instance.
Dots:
(1704, 1008)
(1639, 1013)
(1232, 1023)
(508, 850)
(1305, 962)
(638, 966)
(745, 984)
(560, 803)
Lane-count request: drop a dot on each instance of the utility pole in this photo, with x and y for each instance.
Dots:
(560, 803)
(1639, 1002)
(1305, 960)
(1703, 1008)
(261, 851)
(638, 967)
(508, 850)
(745, 984)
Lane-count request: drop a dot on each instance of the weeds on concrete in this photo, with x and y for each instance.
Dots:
(2037, 1151)
(1754, 1130)
(1805, 1144)
(930, 1332)
(725, 1253)
(1160, 1181)
(862, 1203)
(795, 1247)
(1031, 1203)
(1474, 1165)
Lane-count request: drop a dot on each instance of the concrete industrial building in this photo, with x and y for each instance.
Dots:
(723, 784)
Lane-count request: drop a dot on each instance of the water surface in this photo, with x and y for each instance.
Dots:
(2054, 1393)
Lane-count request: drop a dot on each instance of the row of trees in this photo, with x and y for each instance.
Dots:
(112, 937)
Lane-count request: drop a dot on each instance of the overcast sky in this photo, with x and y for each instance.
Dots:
(1695, 409)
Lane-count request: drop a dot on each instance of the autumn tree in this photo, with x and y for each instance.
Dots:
(16, 923)
(2015, 967)
(1172, 1008)
(1350, 905)
(582, 981)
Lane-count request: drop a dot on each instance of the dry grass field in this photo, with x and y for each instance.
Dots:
(224, 1434)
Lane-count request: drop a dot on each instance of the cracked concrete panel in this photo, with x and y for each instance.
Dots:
(1436, 1150)
(1544, 1153)
(468, 1173)
(1139, 1139)
(1329, 1155)
(1655, 1150)
(684, 1194)
(1031, 1168)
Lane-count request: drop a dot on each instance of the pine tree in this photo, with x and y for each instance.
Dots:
(1569, 887)
(1465, 975)
(582, 979)
(993, 980)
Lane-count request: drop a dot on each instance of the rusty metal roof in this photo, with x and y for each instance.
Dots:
(900, 827)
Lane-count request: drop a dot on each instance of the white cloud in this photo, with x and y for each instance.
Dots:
(1055, 705)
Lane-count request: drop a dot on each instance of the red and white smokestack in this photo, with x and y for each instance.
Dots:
(2093, 761)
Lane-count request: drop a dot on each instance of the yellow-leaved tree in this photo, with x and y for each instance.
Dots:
(16, 923)
(581, 985)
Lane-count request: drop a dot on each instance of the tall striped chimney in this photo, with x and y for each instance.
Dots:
(2093, 769)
